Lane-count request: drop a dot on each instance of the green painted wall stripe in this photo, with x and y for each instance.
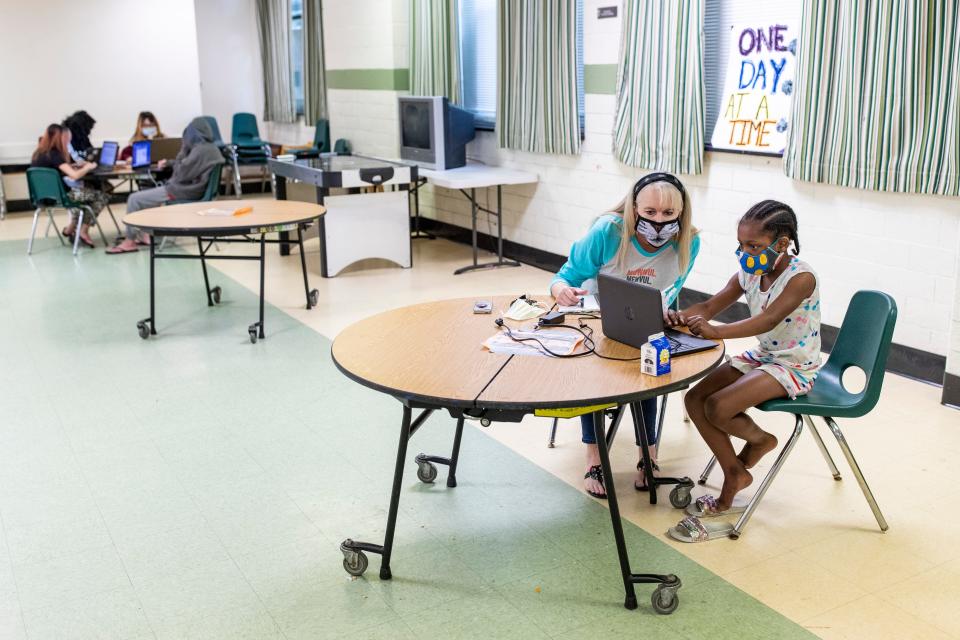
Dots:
(369, 79)
(600, 78)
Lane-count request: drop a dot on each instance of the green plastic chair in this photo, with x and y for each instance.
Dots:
(248, 149)
(863, 342)
(321, 141)
(244, 132)
(47, 192)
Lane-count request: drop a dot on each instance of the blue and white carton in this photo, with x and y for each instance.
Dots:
(655, 355)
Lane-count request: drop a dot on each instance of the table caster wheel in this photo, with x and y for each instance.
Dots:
(252, 330)
(484, 422)
(665, 600)
(215, 294)
(680, 495)
(355, 562)
(143, 329)
(426, 471)
(314, 297)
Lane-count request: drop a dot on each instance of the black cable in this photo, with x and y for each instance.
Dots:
(584, 329)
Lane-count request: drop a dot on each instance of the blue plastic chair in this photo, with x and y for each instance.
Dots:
(863, 342)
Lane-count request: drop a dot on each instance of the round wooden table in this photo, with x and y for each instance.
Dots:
(430, 356)
(267, 216)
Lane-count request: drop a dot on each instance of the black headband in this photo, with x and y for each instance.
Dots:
(650, 178)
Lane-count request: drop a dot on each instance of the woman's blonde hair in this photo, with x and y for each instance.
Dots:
(676, 199)
(138, 133)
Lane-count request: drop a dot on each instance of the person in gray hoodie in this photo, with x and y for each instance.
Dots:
(191, 171)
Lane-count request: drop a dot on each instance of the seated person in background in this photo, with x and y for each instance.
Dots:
(52, 153)
(80, 123)
(148, 128)
(191, 170)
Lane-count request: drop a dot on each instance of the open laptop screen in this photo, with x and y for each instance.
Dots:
(141, 153)
(108, 154)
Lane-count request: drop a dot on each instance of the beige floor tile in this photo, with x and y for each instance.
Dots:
(871, 617)
(932, 596)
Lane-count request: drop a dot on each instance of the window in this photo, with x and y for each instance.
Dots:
(296, 52)
(478, 60)
(723, 21)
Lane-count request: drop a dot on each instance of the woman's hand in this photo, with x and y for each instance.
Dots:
(566, 295)
(700, 326)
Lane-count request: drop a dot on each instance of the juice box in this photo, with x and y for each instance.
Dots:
(655, 355)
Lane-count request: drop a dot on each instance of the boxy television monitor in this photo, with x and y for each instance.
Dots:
(433, 133)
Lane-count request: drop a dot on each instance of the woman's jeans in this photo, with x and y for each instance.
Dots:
(647, 407)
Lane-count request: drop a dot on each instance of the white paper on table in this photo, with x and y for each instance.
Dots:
(559, 341)
(213, 211)
(590, 305)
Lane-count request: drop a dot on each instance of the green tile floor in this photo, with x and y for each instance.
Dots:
(196, 486)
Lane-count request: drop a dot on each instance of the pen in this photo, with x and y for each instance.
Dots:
(242, 210)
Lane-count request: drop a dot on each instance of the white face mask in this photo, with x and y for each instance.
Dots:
(148, 131)
(657, 234)
(523, 310)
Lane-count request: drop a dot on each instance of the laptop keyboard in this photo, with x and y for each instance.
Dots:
(676, 346)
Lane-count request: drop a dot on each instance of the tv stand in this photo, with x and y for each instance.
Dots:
(467, 180)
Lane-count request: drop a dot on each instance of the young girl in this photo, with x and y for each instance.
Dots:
(784, 300)
(649, 237)
(148, 128)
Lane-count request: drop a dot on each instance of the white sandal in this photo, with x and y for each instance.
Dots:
(691, 529)
(706, 507)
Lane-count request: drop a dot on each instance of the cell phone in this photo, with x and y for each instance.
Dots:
(482, 306)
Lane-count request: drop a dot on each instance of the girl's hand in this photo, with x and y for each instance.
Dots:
(568, 296)
(699, 326)
(673, 318)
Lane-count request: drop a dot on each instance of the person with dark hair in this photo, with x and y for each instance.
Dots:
(783, 296)
(649, 238)
(52, 153)
(80, 123)
(191, 171)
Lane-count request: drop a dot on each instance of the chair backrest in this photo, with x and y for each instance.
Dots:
(213, 184)
(244, 128)
(217, 138)
(46, 187)
(321, 138)
(864, 342)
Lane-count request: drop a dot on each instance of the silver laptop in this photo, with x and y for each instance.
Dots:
(631, 312)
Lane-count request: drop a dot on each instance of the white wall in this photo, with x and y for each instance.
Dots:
(113, 58)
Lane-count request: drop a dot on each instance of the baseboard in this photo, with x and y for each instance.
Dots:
(951, 391)
(906, 361)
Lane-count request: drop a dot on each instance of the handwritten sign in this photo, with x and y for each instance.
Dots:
(754, 113)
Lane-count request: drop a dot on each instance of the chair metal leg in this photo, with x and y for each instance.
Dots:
(103, 236)
(683, 405)
(33, 230)
(76, 235)
(114, 218)
(706, 471)
(52, 222)
(768, 479)
(867, 493)
(553, 434)
(823, 448)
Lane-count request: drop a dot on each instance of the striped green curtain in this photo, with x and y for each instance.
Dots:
(659, 117)
(537, 76)
(878, 87)
(314, 71)
(434, 49)
(273, 23)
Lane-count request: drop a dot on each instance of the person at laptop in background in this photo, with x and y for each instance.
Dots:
(52, 152)
(648, 237)
(783, 295)
(80, 123)
(148, 128)
(191, 170)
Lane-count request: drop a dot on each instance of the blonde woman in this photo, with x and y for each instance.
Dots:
(649, 238)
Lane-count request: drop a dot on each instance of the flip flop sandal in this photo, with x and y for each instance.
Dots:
(596, 473)
(706, 507)
(142, 243)
(115, 251)
(87, 244)
(691, 529)
(644, 486)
